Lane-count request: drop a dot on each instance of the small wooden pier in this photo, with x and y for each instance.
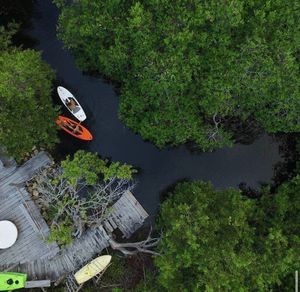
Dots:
(32, 254)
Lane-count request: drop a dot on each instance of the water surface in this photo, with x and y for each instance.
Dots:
(158, 169)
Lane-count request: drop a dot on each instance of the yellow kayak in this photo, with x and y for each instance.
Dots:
(92, 269)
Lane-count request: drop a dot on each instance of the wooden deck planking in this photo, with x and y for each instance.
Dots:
(127, 214)
(14, 206)
(32, 254)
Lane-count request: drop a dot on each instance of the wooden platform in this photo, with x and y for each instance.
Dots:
(32, 254)
(128, 215)
(17, 206)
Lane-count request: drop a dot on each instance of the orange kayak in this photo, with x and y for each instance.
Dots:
(73, 128)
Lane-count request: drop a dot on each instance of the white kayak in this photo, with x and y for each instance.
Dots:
(71, 103)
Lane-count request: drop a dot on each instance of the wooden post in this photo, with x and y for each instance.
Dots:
(37, 284)
(296, 281)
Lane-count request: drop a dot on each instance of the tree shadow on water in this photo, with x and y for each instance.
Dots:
(20, 12)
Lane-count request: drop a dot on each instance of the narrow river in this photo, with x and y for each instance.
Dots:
(158, 169)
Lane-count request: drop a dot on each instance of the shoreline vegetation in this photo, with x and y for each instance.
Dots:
(202, 73)
(27, 112)
(197, 72)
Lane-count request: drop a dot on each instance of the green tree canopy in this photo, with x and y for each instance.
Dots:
(26, 111)
(88, 166)
(188, 66)
(276, 219)
(221, 241)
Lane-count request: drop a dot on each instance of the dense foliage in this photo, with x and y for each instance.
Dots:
(187, 67)
(80, 193)
(26, 111)
(220, 241)
(87, 166)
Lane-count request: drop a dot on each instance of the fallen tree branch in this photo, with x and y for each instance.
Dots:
(132, 248)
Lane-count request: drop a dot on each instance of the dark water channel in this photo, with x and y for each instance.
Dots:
(158, 169)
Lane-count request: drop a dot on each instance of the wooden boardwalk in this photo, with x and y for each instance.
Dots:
(32, 254)
(16, 205)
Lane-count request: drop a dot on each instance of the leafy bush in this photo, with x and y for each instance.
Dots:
(61, 233)
(87, 166)
(26, 111)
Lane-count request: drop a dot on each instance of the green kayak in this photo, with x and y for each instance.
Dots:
(12, 281)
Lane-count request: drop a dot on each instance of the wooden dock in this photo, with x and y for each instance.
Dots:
(16, 205)
(127, 215)
(32, 254)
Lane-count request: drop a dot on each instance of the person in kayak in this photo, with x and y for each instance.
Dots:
(71, 104)
(75, 130)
